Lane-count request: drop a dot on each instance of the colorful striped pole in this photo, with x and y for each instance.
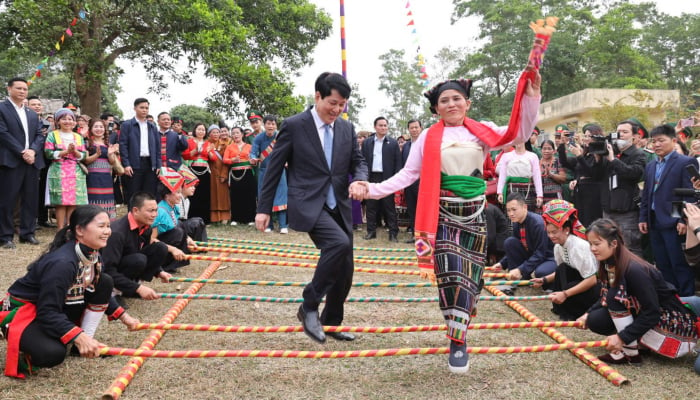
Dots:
(309, 246)
(306, 256)
(589, 359)
(218, 246)
(266, 299)
(300, 284)
(127, 372)
(118, 351)
(355, 329)
(294, 264)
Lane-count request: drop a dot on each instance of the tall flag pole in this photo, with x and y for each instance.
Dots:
(343, 51)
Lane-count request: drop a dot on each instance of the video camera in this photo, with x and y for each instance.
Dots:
(678, 206)
(598, 144)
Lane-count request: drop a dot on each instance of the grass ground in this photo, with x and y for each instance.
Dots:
(553, 375)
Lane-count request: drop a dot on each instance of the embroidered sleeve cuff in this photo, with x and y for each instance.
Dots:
(71, 335)
(116, 314)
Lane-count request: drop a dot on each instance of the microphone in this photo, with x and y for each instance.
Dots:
(683, 192)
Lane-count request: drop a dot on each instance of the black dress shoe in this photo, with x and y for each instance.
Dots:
(29, 239)
(370, 236)
(410, 241)
(7, 245)
(393, 238)
(312, 324)
(341, 336)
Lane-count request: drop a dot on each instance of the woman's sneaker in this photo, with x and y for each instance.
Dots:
(459, 358)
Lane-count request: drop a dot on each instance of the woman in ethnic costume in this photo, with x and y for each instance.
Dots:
(62, 298)
(243, 186)
(220, 201)
(196, 153)
(553, 176)
(66, 179)
(450, 230)
(100, 188)
(574, 283)
(519, 171)
(636, 306)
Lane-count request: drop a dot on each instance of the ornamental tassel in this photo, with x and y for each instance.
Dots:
(543, 33)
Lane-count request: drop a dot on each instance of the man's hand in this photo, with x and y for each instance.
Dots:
(359, 190)
(681, 228)
(262, 221)
(147, 293)
(538, 202)
(643, 227)
(515, 274)
(572, 184)
(29, 156)
(611, 153)
(583, 321)
(164, 276)
(693, 213)
(128, 171)
(177, 254)
(497, 266)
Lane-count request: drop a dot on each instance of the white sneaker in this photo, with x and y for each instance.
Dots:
(234, 223)
(251, 223)
(284, 231)
(268, 230)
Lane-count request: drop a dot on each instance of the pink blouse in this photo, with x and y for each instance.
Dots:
(454, 134)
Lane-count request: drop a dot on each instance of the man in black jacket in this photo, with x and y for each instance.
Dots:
(131, 254)
(383, 160)
(621, 173)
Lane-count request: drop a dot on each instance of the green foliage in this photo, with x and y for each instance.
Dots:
(192, 115)
(401, 82)
(356, 104)
(252, 47)
(597, 44)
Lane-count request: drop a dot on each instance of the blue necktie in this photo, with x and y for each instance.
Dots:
(328, 151)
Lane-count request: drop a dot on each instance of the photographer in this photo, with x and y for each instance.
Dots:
(620, 165)
(586, 189)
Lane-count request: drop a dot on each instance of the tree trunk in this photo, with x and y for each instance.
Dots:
(89, 89)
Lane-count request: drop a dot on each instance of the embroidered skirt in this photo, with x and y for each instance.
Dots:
(460, 253)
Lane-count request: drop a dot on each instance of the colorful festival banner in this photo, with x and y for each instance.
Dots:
(420, 59)
(82, 15)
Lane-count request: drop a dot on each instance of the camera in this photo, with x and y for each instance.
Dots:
(110, 127)
(598, 144)
(45, 125)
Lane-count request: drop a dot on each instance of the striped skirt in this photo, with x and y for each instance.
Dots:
(460, 253)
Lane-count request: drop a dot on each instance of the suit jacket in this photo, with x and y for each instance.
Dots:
(12, 136)
(130, 144)
(674, 176)
(174, 146)
(404, 152)
(391, 156)
(299, 146)
(628, 170)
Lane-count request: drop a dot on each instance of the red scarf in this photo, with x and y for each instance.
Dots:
(429, 189)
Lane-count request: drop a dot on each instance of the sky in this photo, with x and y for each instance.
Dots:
(373, 27)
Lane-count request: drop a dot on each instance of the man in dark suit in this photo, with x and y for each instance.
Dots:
(383, 160)
(415, 127)
(21, 149)
(320, 151)
(139, 146)
(662, 175)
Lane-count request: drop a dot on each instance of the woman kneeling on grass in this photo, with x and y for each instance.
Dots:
(636, 304)
(574, 282)
(62, 298)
